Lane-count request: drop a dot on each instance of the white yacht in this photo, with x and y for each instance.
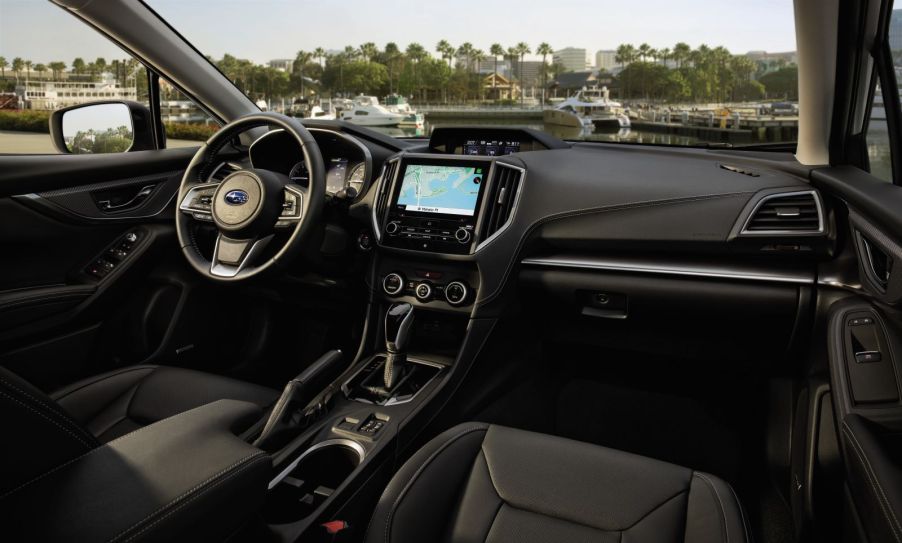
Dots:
(367, 111)
(588, 108)
(399, 104)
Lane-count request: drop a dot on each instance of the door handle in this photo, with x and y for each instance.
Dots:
(136, 200)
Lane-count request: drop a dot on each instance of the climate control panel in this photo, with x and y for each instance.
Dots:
(427, 287)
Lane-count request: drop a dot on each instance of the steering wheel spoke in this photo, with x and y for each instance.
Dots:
(198, 202)
(231, 256)
(293, 208)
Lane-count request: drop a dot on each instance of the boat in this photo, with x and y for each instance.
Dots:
(367, 111)
(399, 104)
(589, 109)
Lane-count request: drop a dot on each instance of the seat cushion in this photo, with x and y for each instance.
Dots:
(115, 403)
(479, 482)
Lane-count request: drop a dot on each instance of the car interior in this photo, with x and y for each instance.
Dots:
(264, 337)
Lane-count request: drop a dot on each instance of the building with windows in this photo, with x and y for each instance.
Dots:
(895, 30)
(606, 60)
(50, 95)
(572, 59)
(282, 64)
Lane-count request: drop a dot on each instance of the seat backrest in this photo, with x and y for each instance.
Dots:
(40, 434)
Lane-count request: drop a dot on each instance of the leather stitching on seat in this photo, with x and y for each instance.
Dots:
(56, 423)
(419, 471)
(882, 500)
(189, 495)
(77, 458)
(105, 377)
(60, 419)
(746, 530)
(723, 511)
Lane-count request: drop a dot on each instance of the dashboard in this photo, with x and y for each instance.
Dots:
(347, 161)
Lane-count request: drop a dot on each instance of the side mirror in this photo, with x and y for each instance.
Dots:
(102, 127)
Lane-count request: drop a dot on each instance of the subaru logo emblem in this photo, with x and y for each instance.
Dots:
(236, 197)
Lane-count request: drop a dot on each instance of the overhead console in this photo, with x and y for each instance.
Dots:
(490, 141)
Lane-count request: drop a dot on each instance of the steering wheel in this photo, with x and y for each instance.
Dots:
(249, 206)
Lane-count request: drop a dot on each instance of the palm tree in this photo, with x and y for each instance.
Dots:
(466, 50)
(40, 68)
(57, 68)
(300, 61)
(665, 55)
(320, 53)
(644, 51)
(522, 50)
(369, 51)
(78, 65)
(478, 57)
(392, 52)
(681, 53)
(544, 49)
(3, 66)
(28, 65)
(18, 66)
(625, 55)
(496, 50)
(446, 50)
(100, 65)
(416, 53)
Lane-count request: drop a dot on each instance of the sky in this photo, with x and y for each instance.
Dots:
(261, 30)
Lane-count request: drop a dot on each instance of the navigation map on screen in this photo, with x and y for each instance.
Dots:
(452, 190)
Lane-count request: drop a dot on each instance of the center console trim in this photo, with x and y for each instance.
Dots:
(350, 443)
(391, 401)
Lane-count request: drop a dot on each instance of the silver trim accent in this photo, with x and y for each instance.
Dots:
(185, 206)
(377, 185)
(820, 216)
(349, 443)
(385, 288)
(391, 401)
(416, 291)
(463, 286)
(219, 269)
(514, 205)
(689, 270)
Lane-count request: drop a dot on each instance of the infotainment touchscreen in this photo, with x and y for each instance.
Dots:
(451, 189)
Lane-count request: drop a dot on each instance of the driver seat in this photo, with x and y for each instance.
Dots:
(80, 417)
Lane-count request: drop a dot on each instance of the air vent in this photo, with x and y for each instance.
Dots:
(222, 171)
(382, 197)
(787, 214)
(501, 199)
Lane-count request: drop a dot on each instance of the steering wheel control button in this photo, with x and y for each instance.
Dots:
(423, 292)
(456, 292)
(393, 284)
(392, 228)
(462, 235)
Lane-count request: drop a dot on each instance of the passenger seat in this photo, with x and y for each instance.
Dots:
(486, 483)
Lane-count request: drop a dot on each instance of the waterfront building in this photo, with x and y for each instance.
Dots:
(606, 59)
(50, 95)
(572, 59)
(771, 62)
(498, 87)
(282, 64)
(487, 66)
(532, 73)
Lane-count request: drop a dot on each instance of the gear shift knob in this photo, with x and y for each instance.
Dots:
(398, 329)
(398, 323)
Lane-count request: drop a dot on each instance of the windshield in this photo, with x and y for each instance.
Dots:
(648, 71)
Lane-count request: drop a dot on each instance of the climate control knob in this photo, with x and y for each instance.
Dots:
(456, 292)
(392, 228)
(423, 292)
(393, 284)
(462, 235)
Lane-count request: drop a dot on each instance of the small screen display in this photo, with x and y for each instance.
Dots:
(440, 189)
(490, 147)
(335, 177)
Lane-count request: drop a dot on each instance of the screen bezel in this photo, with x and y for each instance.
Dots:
(459, 163)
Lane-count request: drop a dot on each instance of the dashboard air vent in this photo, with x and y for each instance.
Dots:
(786, 214)
(501, 199)
(383, 196)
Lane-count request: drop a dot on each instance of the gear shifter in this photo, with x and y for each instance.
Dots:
(398, 325)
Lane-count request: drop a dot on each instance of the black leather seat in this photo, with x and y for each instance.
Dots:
(478, 483)
(121, 401)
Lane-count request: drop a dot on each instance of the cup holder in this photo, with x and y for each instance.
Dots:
(308, 481)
